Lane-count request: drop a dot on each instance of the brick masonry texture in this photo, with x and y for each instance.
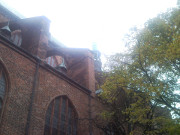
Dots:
(21, 72)
(20, 64)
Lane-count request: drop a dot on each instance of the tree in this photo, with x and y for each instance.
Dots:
(140, 93)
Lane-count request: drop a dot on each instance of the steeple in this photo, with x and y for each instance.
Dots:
(97, 59)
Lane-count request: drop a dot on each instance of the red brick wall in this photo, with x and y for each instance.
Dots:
(21, 71)
(91, 73)
(81, 67)
(51, 86)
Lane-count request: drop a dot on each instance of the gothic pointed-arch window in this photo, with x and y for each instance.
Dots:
(2, 87)
(61, 118)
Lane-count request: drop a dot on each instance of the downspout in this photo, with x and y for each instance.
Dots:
(32, 98)
(90, 116)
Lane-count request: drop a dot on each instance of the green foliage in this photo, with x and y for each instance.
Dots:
(174, 128)
(140, 91)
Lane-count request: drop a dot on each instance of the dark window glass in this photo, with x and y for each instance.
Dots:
(1, 104)
(69, 121)
(63, 116)
(55, 117)
(59, 118)
(74, 126)
(2, 87)
(47, 122)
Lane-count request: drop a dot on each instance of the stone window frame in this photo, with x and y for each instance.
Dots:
(66, 120)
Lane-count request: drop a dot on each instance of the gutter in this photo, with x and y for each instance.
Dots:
(90, 116)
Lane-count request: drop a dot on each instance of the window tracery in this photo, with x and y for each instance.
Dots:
(61, 118)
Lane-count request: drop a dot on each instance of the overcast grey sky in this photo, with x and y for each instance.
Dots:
(80, 23)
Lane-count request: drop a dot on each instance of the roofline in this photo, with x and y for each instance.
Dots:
(7, 13)
(42, 64)
(56, 42)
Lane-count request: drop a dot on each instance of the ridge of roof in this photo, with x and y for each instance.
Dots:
(8, 12)
(12, 14)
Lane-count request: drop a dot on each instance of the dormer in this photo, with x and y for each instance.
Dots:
(31, 34)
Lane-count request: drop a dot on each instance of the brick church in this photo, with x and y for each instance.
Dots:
(46, 88)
